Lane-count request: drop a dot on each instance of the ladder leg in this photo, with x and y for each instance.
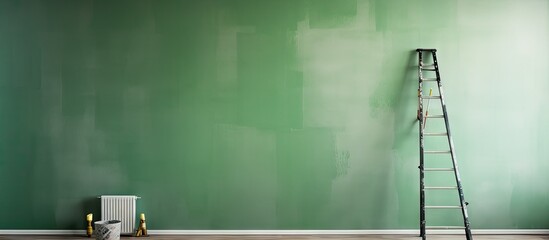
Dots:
(463, 203)
(468, 234)
(421, 157)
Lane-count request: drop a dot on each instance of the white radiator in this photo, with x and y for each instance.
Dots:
(119, 208)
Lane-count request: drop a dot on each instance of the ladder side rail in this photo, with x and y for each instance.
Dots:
(421, 151)
(453, 153)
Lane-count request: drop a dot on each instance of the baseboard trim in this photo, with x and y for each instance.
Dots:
(295, 232)
(42, 232)
(350, 232)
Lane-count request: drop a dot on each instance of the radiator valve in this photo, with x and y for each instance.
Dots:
(89, 230)
(142, 230)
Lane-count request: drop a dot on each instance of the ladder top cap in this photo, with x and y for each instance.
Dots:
(426, 50)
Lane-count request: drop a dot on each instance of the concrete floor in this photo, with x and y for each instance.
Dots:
(301, 237)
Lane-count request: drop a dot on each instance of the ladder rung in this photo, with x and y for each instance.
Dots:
(442, 207)
(426, 49)
(435, 116)
(436, 134)
(438, 169)
(430, 97)
(427, 65)
(444, 227)
(428, 69)
(436, 152)
(429, 79)
(441, 188)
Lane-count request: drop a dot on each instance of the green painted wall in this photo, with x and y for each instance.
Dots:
(279, 114)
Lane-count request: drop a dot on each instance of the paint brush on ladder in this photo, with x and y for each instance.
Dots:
(427, 111)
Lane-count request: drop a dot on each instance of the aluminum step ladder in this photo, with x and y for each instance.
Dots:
(423, 115)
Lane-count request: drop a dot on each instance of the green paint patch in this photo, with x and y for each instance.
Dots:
(331, 14)
(269, 91)
(306, 167)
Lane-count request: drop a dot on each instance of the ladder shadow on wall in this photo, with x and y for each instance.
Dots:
(405, 143)
(406, 103)
(396, 96)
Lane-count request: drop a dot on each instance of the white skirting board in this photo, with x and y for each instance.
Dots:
(293, 232)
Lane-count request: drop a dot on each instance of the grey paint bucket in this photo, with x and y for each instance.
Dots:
(107, 230)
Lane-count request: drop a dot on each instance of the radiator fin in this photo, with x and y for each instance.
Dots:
(114, 207)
